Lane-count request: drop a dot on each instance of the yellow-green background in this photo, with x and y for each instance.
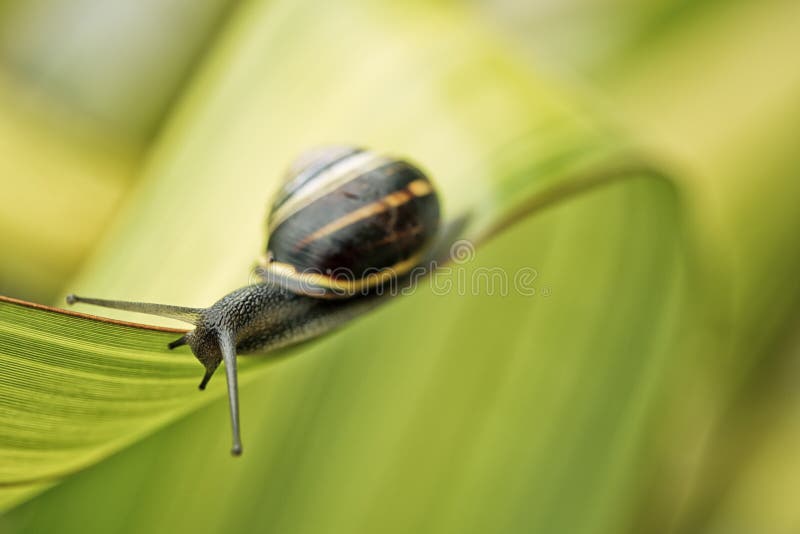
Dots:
(123, 126)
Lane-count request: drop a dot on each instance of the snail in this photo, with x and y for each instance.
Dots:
(344, 224)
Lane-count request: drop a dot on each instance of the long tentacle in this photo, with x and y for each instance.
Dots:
(228, 349)
(189, 315)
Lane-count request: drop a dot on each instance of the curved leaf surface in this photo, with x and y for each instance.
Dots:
(493, 394)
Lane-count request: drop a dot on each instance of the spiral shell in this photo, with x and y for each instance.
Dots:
(347, 220)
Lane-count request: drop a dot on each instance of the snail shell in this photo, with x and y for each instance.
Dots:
(347, 220)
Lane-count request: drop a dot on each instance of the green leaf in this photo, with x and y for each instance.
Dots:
(513, 403)
(76, 389)
(541, 398)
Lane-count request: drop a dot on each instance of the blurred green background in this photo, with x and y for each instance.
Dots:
(639, 396)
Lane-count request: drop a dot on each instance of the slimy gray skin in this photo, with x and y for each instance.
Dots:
(254, 319)
(373, 216)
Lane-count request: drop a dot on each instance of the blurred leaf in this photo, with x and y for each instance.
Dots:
(61, 181)
(84, 86)
(118, 63)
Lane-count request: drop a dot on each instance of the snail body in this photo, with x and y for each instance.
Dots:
(344, 224)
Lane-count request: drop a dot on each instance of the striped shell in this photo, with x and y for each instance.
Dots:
(347, 220)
